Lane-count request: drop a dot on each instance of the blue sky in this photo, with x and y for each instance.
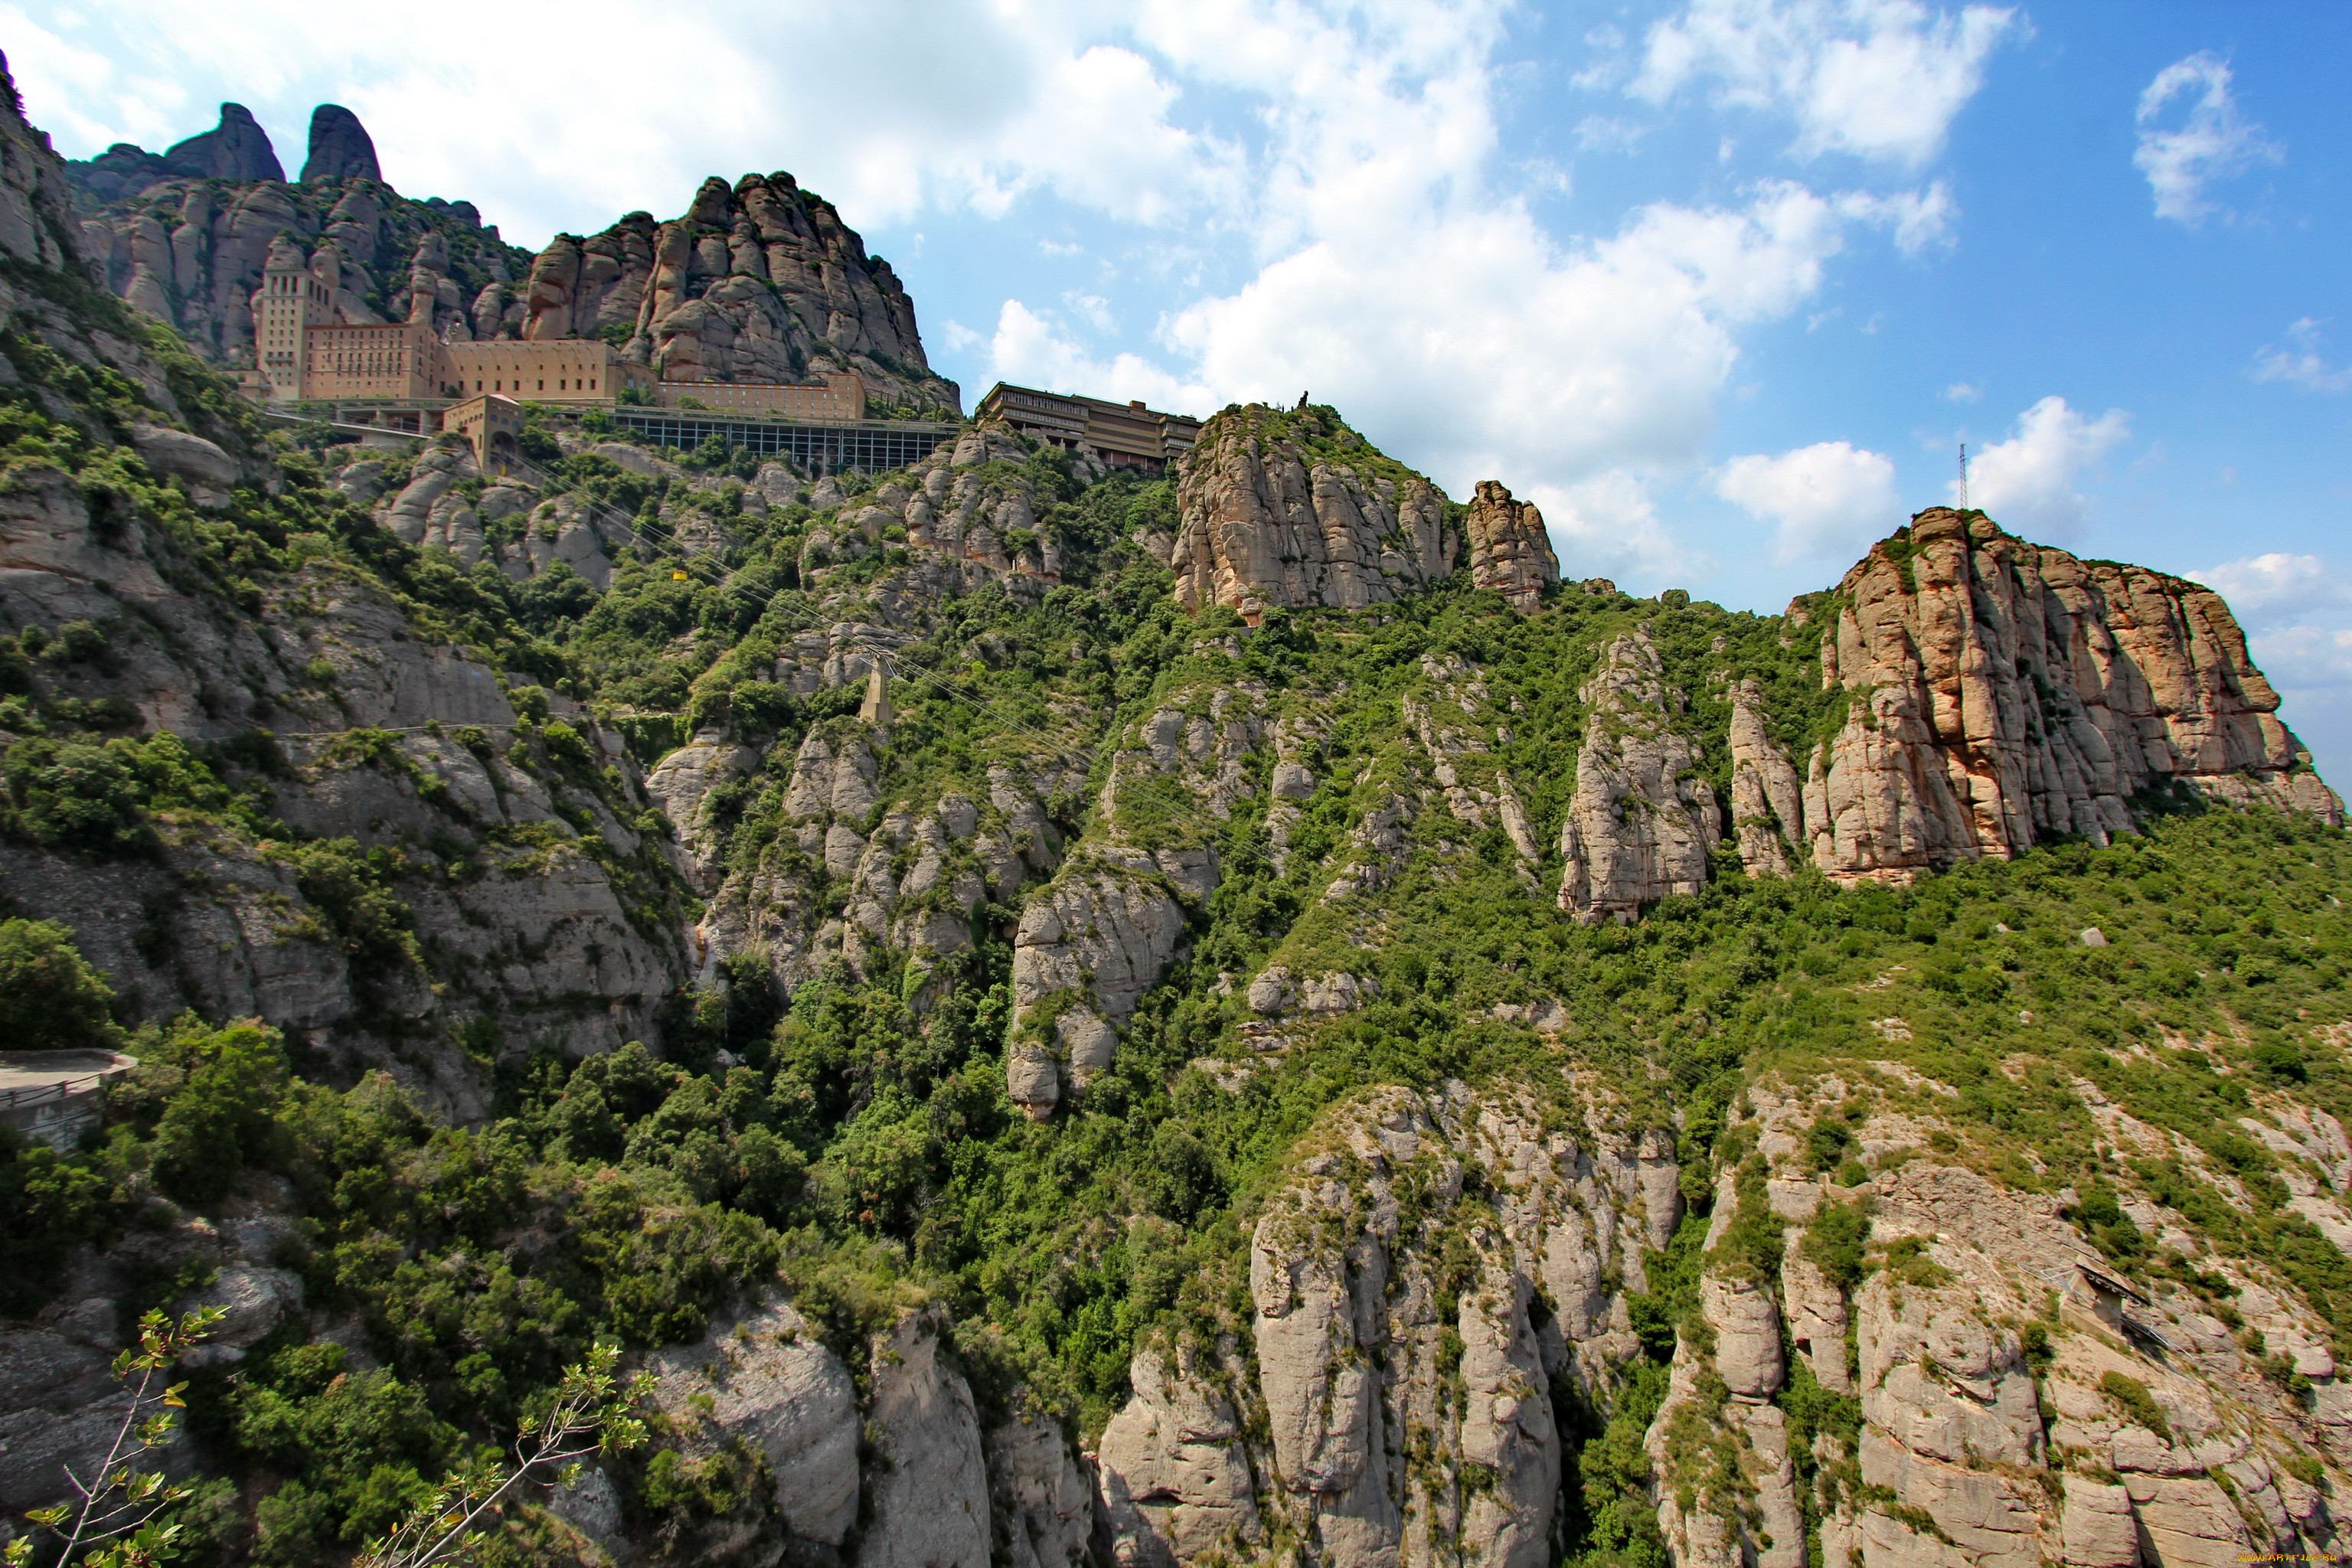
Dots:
(1721, 284)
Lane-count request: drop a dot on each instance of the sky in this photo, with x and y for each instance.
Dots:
(1721, 285)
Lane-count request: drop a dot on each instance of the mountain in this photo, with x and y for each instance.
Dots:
(758, 281)
(1062, 1017)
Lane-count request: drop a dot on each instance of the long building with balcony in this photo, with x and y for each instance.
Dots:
(1121, 434)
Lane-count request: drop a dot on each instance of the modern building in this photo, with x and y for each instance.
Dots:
(54, 1097)
(1122, 435)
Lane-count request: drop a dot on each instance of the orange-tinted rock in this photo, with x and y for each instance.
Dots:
(1295, 510)
(2002, 692)
(1509, 551)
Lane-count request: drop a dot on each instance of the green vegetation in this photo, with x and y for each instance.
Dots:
(851, 1142)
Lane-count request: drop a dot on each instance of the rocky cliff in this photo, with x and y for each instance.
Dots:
(1296, 511)
(1510, 552)
(1044, 1060)
(1998, 693)
(758, 281)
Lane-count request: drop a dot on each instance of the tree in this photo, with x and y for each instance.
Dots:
(592, 1412)
(51, 998)
(114, 1523)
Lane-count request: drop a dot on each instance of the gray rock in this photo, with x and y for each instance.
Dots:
(177, 453)
(1041, 1495)
(236, 149)
(930, 1504)
(765, 1378)
(340, 148)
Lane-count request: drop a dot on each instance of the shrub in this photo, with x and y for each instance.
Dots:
(51, 998)
(2131, 1397)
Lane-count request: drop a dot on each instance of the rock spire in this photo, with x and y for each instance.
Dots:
(339, 147)
(1295, 510)
(1509, 551)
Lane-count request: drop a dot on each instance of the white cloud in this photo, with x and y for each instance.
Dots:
(1032, 348)
(1826, 500)
(1607, 526)
(2027, 482)
(2277, 583)
(1880, 78)
(2297, 362)
(1962, 392)
(2303, 658)
(982, 101)
(2212, 143)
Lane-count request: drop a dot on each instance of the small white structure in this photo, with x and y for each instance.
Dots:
(54, 1097)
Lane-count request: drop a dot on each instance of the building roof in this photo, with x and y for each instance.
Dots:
(1126, 429)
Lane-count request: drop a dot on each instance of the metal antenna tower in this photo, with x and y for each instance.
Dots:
(1964, 476)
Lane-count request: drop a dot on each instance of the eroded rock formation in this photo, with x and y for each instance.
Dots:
(2002, 691)
(1510, 552)
(1642, 824)
(1291, 510)
(1405, 1370)
(760, 281)
(340, 148)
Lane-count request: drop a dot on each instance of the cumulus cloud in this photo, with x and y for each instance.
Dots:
(2027, 482)
(1036, 347)
(2296, 362)
(2212, 143)
(1828, 499)
(1880, 78)
(1962, 392)
(2277, 583)
(983, 102)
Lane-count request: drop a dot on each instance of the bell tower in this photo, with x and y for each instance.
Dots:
(290, 303)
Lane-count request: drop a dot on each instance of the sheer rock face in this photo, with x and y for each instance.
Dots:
(1642, 824)
(1296, 511)
(765, 1380)
(1510, 552)
(1041, 1495)
(35, 204)
(930, 1494)
(1967, 1455)
(2001, 692)
(760, 281)
(340, 148)
(1356, 1327)
(1176, 1479)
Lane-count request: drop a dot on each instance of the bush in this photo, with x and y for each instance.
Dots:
(73, 795)
(223, 1119)
(51, 998)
